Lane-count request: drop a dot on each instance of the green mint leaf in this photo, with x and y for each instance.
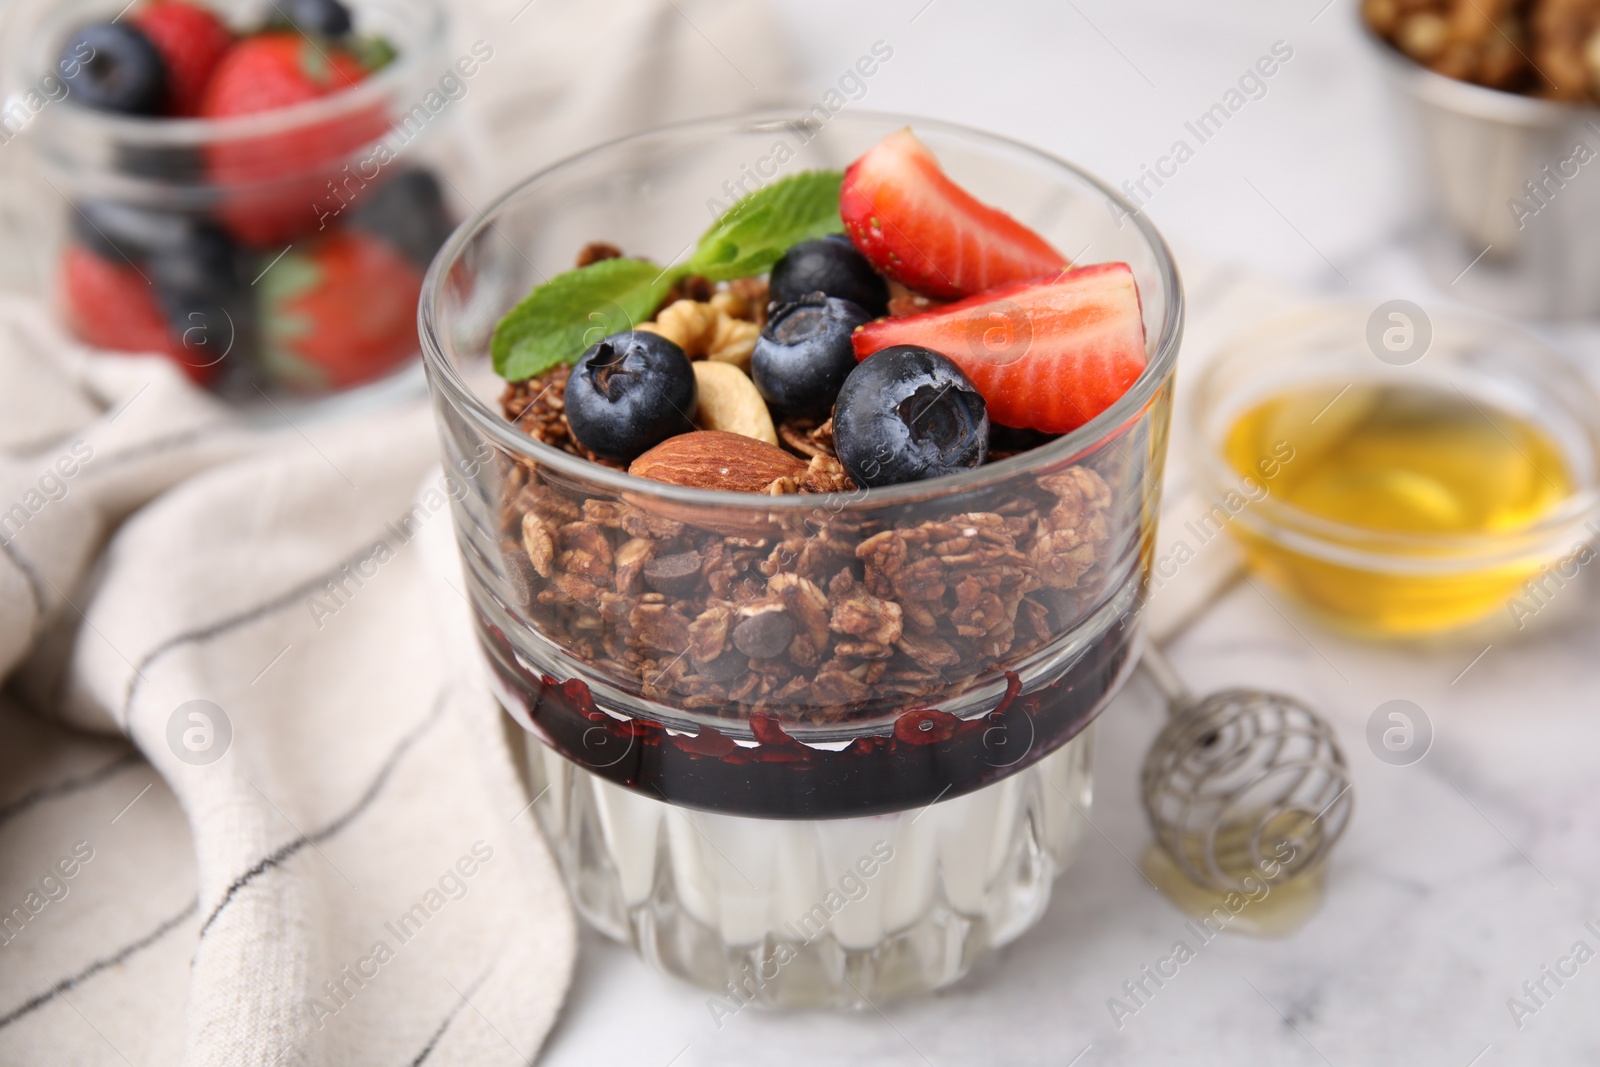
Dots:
(754, 233)
(560, 319)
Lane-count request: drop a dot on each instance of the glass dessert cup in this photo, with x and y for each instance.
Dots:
(868, 809)
(1394, 583)
(284, 186)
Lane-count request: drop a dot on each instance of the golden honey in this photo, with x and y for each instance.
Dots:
(1408, 474)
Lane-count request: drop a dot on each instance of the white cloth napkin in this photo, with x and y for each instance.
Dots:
(262, 630)
(311, 848)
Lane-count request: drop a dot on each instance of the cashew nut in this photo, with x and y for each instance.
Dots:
(729, 401)
(706, 331)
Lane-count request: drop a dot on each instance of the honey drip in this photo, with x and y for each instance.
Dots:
(1266, 906)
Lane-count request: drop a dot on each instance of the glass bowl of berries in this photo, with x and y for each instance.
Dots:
(252, 190)
(806, 524)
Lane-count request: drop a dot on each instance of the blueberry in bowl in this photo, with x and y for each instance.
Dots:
(630, 392)
(205, 296)
(906, 414)
(124, 72)
(326, 18)
(409, 212)
(804, 353)
(830, 265)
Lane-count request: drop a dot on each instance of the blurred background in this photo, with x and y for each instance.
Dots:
(1306, 183)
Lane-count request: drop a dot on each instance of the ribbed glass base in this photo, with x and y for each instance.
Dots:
(835, 913)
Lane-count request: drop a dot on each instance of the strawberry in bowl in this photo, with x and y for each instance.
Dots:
(1047, 355)
(237, 202)
(923, 230)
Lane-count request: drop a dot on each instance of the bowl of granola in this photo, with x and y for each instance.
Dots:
(806, 538)
(1501, 123)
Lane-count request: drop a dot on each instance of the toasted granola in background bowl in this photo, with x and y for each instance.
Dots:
(1499, 105)
(1543, 48)
(807, 661)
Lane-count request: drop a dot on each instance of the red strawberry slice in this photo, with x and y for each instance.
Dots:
(191, 40)
(922, 229)
(1046, 355)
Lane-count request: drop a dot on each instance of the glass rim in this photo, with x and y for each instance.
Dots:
(1381, 550)
(158, 131)
(444, 376)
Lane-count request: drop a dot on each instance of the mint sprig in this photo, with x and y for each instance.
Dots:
(754, 233)
(561, 318)
(557, 321)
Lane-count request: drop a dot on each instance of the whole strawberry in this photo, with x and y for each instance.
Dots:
(278, 180)
(340, 312)
(276, 70)
(192, 41)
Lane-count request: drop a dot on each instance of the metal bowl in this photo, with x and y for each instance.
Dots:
(1510, 186)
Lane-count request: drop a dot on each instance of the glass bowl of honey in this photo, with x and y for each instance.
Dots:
(1399, 472)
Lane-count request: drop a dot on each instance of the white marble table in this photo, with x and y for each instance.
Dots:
(1461, 877)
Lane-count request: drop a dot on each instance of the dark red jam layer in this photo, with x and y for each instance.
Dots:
(930, 755)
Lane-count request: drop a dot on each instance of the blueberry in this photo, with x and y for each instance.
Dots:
(169, 163)
(203, 294)
(123, 72)
(629, 393)
(121, 231)
(804, 354)
(326, 18)
(831, 266)
(907, 413)
(408, 212)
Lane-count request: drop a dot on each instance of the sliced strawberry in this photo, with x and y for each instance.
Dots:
(1046, 355)
(923, 230)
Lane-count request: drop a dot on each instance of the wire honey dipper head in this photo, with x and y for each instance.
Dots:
(1243, 784)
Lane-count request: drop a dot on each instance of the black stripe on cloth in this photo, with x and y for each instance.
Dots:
(284, 852)
(69, 786)
(243, 618)
(40, 445)
(433, 1041)
(156, 446)
(31, 575)
(119, 956)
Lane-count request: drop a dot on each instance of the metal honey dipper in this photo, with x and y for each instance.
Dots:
(1242, 783)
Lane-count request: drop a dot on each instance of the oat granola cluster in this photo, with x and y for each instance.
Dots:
(1547, 48)
(812, 616)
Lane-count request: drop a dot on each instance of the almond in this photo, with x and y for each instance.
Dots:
(713, 459)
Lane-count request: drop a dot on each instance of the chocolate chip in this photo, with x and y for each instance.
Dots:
(673, 575)
(725, 668)
(521, 580)
(765, 635)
